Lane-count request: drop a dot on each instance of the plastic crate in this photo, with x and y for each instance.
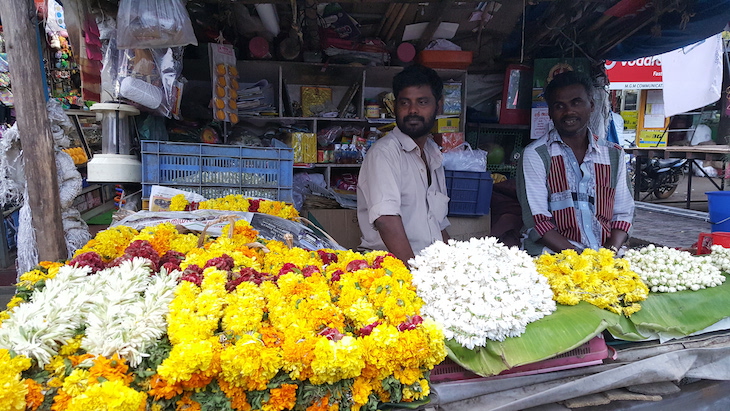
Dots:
(483, 135)
(216, 170)
(591, 353)
(469, 192)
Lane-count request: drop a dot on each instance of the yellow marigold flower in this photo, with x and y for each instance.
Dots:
(76, 382)
(13, 390)
(178, 202)
(249, 364)
(187, 358)
(15, 301)
(337, 360)
(282, 398)
(297, 355)
(71, 346)
(183, 243)
(361, 389)
(57, 366)
(109, 243)
(108, 395)
(244, 309)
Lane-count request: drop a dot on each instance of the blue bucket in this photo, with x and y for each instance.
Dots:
(718, 204)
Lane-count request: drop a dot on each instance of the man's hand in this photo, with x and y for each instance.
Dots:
(394, 236)
(556, 242)
(616, 240)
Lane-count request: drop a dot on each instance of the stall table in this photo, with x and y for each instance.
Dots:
(691, 153)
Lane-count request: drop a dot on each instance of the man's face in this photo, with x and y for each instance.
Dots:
(570, 109)
(415, 110)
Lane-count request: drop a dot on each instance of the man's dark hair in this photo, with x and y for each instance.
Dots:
(418, 75)
(568, 78)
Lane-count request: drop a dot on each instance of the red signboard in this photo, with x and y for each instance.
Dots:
(643, 73)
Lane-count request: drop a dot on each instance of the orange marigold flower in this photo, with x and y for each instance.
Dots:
(161, 388)
(237, 395)
(78, 359)
(111, 369)
(322, 404)
(197, 380)
(34, 397)
(60, 401)
(282, 398)
(187, 404)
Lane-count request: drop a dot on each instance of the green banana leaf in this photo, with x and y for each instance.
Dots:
(565, 329)
(684, 312)
(679, 314)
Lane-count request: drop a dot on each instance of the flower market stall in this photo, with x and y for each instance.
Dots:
(218, 308)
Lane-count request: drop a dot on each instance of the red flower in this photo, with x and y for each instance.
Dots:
(327, 257)
(90, 259)
(224, 262)
(253, 205)
(368, 329)
(336, 276)
(356, 265)
(331, 334)
(309, 270)
(289, 268)
(411, 323)
(194, 274)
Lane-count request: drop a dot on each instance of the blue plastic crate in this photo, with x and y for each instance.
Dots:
(216, 170)
(470, 192)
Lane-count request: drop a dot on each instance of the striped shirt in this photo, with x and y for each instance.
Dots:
(583, 202)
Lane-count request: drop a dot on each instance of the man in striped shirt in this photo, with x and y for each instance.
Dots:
(573, 186)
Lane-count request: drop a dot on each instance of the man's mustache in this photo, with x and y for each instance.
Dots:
(414, 117)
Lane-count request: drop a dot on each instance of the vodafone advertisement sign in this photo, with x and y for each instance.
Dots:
(643, 73)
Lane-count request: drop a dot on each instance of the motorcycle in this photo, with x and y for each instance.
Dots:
(659, 176)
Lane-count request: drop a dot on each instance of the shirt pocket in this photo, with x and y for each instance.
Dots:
(438, 205)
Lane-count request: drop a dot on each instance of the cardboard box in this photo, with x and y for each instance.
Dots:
(339, 223)
(446, 125)
(464, 228)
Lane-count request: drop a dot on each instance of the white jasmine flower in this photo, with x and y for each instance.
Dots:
(666, 269)
(480, 289)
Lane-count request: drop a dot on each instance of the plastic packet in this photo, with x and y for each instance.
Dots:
(465, 159)
(147, 78)
(451, 141)
(452, 98)
(329, 135)
(153, 24)
(225, 82)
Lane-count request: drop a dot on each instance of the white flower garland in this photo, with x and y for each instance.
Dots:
(122, 308)
(665, 269)
(480, 289)
(721, 257)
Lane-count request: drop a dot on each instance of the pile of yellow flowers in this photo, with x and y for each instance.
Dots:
(595, 277)
(236, 202)
(253, 325)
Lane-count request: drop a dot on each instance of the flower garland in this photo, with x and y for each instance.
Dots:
(595, 277)
(668, 270)
(237, 202)
(224, 326)
(720, 257)
(480, 289)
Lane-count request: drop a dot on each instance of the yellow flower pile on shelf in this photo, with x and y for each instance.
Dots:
(595, 277)
(240, 323)
(236, 202)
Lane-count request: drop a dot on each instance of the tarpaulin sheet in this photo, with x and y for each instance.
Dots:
(706, 358)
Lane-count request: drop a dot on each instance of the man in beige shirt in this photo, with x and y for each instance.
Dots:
(401, 192)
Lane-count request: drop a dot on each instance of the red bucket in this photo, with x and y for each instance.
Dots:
(707, 240)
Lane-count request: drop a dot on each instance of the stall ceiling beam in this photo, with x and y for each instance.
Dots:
(19, 22)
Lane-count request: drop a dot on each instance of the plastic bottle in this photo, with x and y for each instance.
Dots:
(338, 154)
(373, 136)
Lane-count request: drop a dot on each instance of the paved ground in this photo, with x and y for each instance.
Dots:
(669, 222)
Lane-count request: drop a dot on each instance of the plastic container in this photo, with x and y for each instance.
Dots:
(718, 205)
(372, 137)
(216, 171)
(470, 192)
(446, 59)
(707, 240)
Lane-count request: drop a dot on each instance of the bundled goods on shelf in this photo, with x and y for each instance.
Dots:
(77, 154)
(256, 99)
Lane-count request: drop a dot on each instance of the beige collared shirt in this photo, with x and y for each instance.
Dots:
(393, 181)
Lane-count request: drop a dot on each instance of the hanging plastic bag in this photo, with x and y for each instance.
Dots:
(153, 24)
(465, 159)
